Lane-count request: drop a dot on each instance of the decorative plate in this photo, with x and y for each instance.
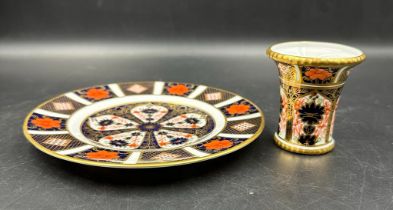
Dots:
(143, 124)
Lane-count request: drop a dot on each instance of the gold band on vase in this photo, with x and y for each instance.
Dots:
(306, 150)
(305, 61)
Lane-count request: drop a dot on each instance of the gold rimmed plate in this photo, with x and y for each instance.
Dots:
(143, 124)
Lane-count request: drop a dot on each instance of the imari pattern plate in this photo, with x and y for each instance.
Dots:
(143, 124)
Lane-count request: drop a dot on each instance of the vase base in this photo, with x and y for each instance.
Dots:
(306, 150)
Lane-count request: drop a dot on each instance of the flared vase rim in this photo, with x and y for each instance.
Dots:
(315, 53)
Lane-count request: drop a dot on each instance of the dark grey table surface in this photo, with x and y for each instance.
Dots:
(358, 174)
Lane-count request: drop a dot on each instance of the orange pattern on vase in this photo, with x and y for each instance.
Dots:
(104, 155)
(218, 144)
(178, 89)
(325, 119)
(320, 74)
(238, 109)
(46, 123)
(97, 93)
(298, 104)
(297, 124)
(283, 115)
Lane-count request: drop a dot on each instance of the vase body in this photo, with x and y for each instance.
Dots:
(309, 93)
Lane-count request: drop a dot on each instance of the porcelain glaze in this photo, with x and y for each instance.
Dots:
(143, 124)
(312, 76)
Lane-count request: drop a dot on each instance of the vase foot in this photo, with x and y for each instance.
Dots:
(307, 150)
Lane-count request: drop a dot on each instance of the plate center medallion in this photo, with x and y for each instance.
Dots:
(147, 126)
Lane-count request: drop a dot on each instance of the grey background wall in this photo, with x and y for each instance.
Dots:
(194, 20)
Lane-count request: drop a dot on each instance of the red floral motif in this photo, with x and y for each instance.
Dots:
(297, 125)
(110, 138)
(324, 123)
(133, 145)
(282, 121)
(238, 109)
(298, 104)
(97, 93)
(162, 143)
(218, 144)
(103, 155)
(46, 123)
(188, 135)
(320, 74)
(179, 89)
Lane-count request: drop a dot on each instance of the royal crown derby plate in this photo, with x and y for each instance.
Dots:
(143, 124)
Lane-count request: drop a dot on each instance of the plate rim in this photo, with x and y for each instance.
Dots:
(142, 165)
